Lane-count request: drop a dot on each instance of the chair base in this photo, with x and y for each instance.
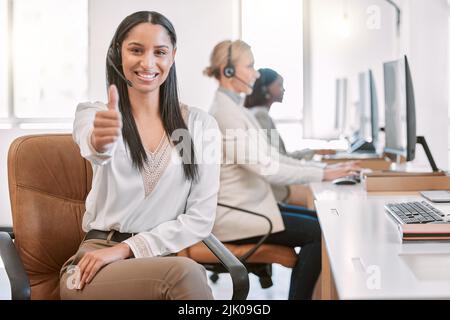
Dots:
(262, 270)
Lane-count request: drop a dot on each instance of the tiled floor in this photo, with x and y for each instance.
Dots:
(222, 289)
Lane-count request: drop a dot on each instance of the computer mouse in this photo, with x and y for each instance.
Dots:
(345, 181)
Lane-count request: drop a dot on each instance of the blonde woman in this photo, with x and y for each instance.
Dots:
(249, 167)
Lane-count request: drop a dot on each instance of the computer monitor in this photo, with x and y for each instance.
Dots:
(368, 106)
(340, 122)
(365, 138)
(400, 113)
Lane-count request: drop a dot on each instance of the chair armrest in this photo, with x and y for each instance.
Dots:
(9, 230)
(238, 272)
(18, 279)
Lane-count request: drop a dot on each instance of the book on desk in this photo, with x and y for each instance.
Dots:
(425, 232)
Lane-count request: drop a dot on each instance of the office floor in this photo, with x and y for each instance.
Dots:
(222, 289)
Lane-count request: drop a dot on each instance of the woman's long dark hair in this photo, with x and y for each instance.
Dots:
(260, 94)
(169, 107)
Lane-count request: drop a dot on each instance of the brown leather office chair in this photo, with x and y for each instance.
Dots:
(48, 184)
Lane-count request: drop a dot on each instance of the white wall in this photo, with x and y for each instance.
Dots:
(200, 25)
(423, 37)
(427, 48)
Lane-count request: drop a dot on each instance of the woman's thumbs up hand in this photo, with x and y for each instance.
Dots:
(107, 124)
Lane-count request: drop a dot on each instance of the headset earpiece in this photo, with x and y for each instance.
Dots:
(267, 94)
(229, 71)
(114, 55)
(110, 55)
(264, 89)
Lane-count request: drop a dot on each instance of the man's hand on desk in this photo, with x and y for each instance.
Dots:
(343, 169)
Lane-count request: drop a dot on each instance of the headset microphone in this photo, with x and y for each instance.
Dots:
(108, 57)
(247, 84)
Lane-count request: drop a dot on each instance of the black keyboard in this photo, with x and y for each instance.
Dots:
(414, 212)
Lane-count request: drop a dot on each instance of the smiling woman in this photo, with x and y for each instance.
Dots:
(144, 202)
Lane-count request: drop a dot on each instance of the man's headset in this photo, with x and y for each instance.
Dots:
(114, 54)
(230, 70)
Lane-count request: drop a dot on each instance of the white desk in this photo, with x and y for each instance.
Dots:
(5, 288)
(328, 191)
(365, 252)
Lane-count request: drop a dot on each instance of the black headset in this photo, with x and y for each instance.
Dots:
(229, 71)
(114, 54)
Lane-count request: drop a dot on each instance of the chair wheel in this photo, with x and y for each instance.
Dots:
(214, 277)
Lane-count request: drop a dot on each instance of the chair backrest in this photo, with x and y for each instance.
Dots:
(48, 185)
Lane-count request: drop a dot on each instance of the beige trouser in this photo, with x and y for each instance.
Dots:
(298, 195)
(294, 194)
(157, 278)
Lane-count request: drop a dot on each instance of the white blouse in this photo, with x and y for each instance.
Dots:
(166, 211)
